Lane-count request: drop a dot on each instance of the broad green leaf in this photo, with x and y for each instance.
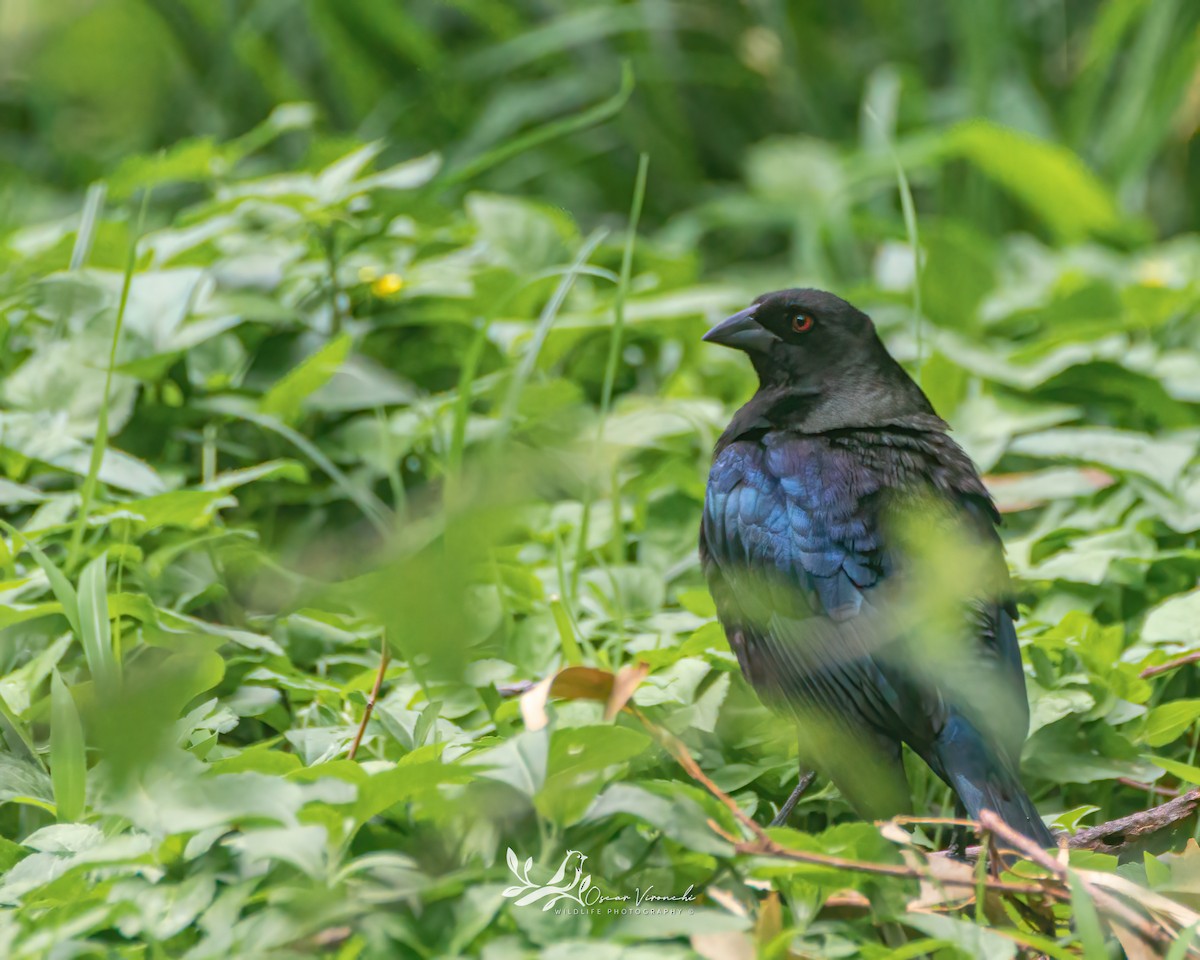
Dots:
(25, 781)
(970, 938)
(17, 687)
(186, 161)
(1161, 459)
(304, 847)
(1168, 721)
(521, 234)
(578, 756)
(1175, 620)
(416, 777)
(519, 761)
(42, 436)
(672, 808)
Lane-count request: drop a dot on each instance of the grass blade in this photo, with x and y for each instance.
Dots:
(100, 441)
(95, 628)
(550, 131)
(374, 509)
(68, 761)
(908, 208)
(63, 591)
(610, 367)
(93, 204)
(545, 322)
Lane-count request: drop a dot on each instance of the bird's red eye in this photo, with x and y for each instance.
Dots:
(802, 323)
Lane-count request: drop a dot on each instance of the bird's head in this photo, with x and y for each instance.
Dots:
(825, 354)
(792, 335)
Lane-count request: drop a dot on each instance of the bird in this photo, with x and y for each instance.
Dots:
(851, 550)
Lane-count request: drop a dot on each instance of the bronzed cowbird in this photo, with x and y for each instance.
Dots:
(850, 548)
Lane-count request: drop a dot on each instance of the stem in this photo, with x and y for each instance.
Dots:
(610, 367)
(385, 658)
(100, 441)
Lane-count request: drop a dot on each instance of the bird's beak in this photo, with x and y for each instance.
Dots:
(742, 332)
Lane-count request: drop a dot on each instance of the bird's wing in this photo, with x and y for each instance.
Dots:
(809, 580)
(790, 563)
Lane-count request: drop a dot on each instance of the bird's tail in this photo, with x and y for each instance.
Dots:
(984, 780)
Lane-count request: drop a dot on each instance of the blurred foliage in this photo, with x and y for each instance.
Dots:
(360, 385)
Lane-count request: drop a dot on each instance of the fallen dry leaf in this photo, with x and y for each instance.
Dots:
(628, 680)
(582, 683)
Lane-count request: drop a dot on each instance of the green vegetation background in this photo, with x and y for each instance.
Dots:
(324, 318)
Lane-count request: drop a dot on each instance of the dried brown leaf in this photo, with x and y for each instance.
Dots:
(627, 681)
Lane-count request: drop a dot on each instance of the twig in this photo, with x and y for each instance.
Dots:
(770, 848)
(1102, 836)
(805, 781)
(1112, 836)
(1170, 665)
(1104, 901)
(679, 751)
(1057, 886)
(1149, 787)
(764, 845)
(384, 659)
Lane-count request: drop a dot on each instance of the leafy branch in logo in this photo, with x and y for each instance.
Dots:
(530, 891)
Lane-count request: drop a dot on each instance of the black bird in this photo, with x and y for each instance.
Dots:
(851, 550)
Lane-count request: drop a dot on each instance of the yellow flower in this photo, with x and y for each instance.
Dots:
(1155, 273)
(388, 284)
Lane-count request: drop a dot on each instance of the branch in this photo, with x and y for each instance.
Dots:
(1112, 836)
(764, 845)
(1170, 665)
(1149, 787)
(1104, 902)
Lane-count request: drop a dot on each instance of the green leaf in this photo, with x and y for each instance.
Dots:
(58, 582)
(24, 781)
(577, 758)
(1182, 945)
(1168, 721)
(417, 777)
(1086, 921)
(1175, 620)
(519, 761)
(522, 235)
(679, 811)
(286, 398)
(1184, 771)
(408, 175)
(970, 938)
(1161, 459)
(68, 762)
(1050, 180)
(304, 847)
(334, 183)
(95, 628)
(188, 160)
